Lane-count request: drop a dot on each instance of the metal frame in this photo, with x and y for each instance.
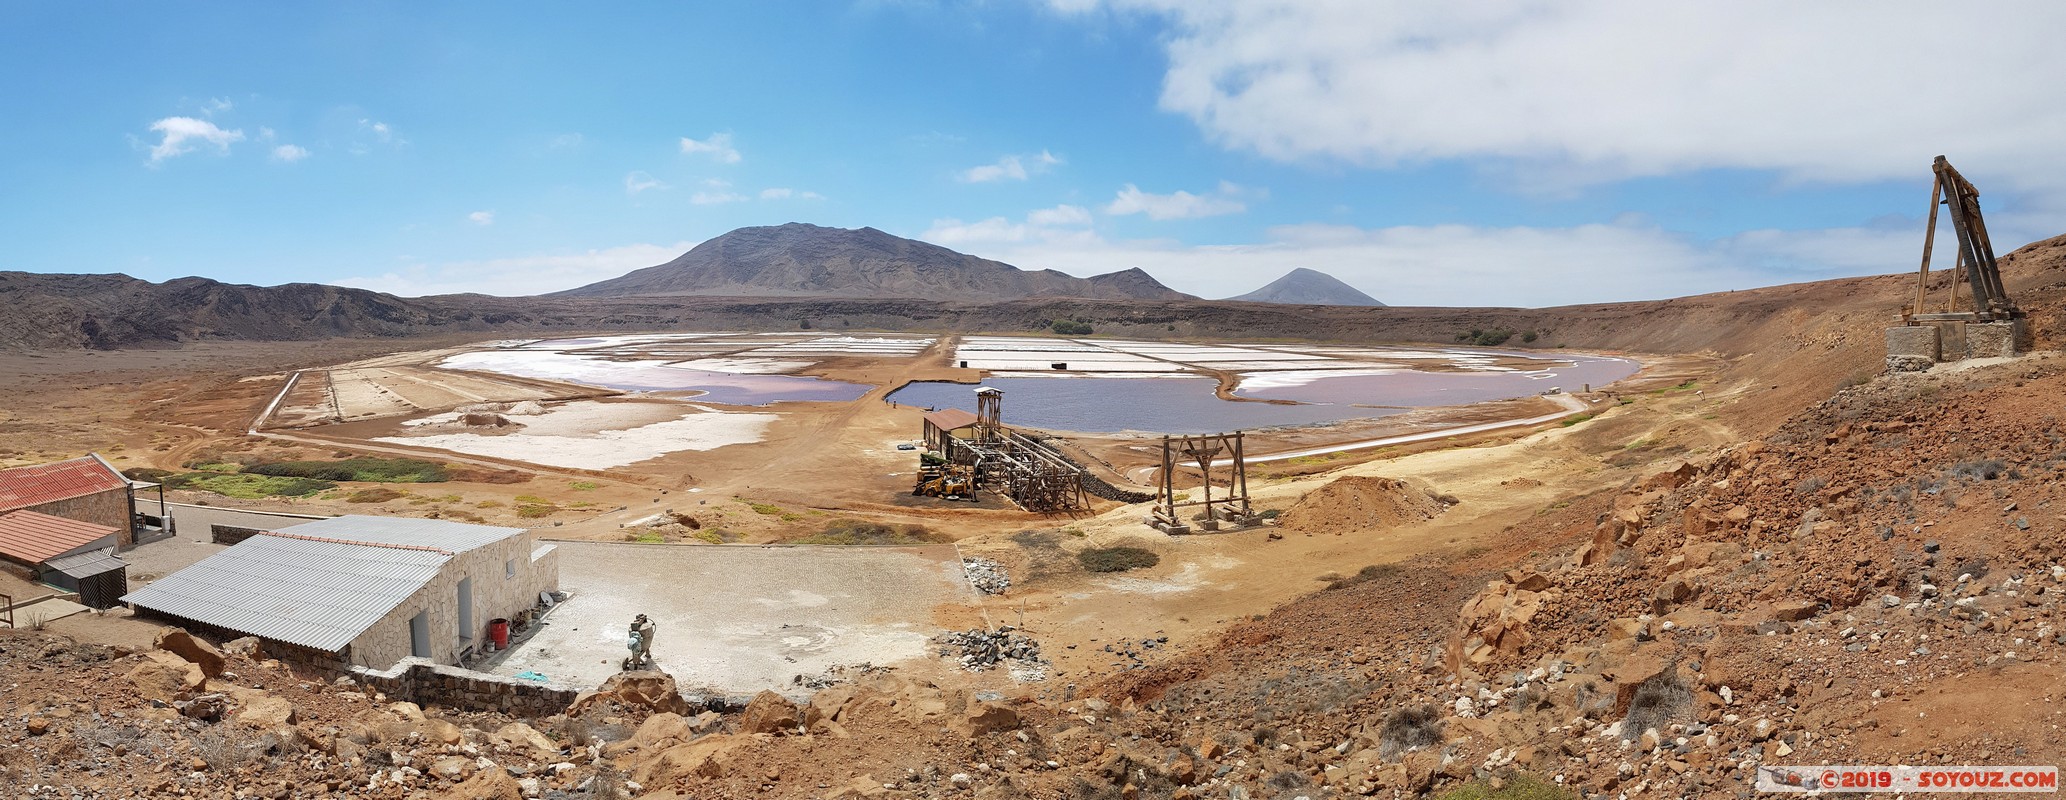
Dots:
(1031, 473)
(1203, 451)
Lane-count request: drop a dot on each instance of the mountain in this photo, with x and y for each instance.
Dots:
(1308, 287)
(800, 260)
(111, 311)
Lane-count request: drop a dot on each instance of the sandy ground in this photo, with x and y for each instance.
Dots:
(739, 619)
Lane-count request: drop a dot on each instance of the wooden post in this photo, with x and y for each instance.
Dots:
(1922, 278)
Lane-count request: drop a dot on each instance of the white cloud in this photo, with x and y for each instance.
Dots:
(1060, 215)
(1061, 224)
(718, 146)
(521, 275)
(1179, 204)
(785, 193)
(183, 134)
(290, 153)
(267, 134)
(1458, 265)
(482, 218)
(717, 197)
(636, 181)
(1016, 168)
(216, 105)
(380, 131)
(1584, 91)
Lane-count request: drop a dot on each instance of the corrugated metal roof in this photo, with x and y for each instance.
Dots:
(22, 487)
(88, 564)
(318, 594)
(948, 419)
(453, 537)
(30, 538)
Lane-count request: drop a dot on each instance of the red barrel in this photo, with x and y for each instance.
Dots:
(498, 632)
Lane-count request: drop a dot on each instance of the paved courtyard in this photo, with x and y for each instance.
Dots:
(740, 618)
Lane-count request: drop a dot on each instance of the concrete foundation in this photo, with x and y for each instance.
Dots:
(1912, 348)
(1994, 339)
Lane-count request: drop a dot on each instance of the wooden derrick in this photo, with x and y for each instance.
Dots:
(1203, 452)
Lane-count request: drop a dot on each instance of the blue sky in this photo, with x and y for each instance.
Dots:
(1495, 153)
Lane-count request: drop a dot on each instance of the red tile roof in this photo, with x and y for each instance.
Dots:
(950, 419)
(33, 538)
(22, 487)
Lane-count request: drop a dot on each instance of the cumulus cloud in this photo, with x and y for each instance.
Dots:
(786, 193)
(520, 275)
(1458, 265)
(1179, 204)
(182, 135)
(482, 218)
(1584, 91)
(718, 146)
(1061, 224)
(637, 181)
(1013, 167)
(290, 153)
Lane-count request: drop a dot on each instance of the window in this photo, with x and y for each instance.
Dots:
(419, 635)
(466, 608)
(509, 569)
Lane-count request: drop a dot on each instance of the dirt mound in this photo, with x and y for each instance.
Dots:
(1354, 504)
(483, 420)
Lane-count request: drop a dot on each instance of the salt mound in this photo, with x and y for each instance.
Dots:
(527, 408)
(480, 408)
(1355, 504)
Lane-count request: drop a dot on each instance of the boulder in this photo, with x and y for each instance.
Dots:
(521, 736)
(651, 691)
(1632, 672)
(986, 717)
(195, 651)
(704, 757)
(248, 647)
(488, 784)
(661, 730)
(165, 677)
(265, 713)
(1496, 619)
(769, 713)
(1793, 610)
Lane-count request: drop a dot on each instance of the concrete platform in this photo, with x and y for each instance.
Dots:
(740, 618)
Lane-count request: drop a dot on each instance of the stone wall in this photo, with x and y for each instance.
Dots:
(230, 534)
(507, 578)
(426, 684)
(1912, 348)
(110, 508)
(1994, 339)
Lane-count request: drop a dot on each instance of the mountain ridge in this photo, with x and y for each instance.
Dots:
(1309, 287)
(802, 260)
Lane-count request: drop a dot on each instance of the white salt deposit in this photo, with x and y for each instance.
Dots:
(744, 366)
(603, 449)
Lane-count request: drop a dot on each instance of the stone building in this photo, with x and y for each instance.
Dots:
(87, 489)
(357, 590)
(65, 554)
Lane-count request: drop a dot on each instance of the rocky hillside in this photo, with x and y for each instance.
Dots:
(1308, 287)
(801, 260)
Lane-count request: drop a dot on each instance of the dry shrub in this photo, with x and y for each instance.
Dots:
(377, 494)
(1117, 559)
(1656, 703)
(1409, 727)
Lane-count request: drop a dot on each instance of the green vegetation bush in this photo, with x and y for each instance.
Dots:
(370, 470)
(769, 509)
(1117, 559)
(1577, 419)
(536, 510)
(861, 531)
(583, 486)
(1519, 787)
(377, 494)
(248, 487)
(1070, 327)
(1483, 337)
(147, 474)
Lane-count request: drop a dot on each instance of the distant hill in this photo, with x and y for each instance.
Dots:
(1308, 287)
(800, 260)
(110, 311)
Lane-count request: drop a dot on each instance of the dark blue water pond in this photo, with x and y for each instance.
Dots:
(1109, 405)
